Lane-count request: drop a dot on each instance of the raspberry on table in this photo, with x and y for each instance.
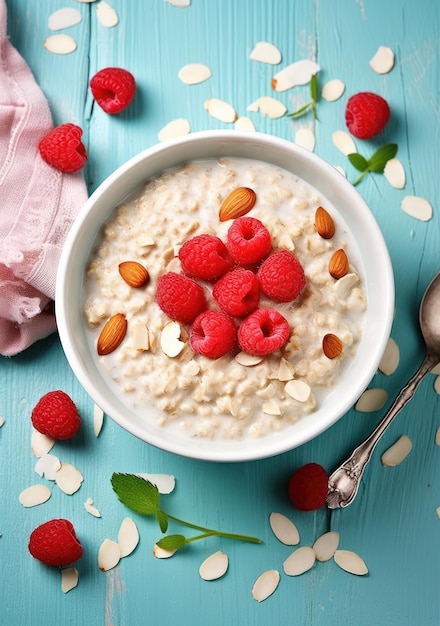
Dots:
(180, 297)
(205, 257)
(55, 543)
(213, 334)
(366, 114)
(237, 292)
(281, 276)
(249, 241)
(113, 89)
(56, 415)
(63, 149)
(308, 486)
(263, 332)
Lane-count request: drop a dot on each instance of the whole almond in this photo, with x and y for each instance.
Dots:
(134, 273)
(239, 202)
(112, 334)
(331, 346)
(324, 223)
(338, 265)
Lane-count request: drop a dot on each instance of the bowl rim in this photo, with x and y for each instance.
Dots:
(80, 230)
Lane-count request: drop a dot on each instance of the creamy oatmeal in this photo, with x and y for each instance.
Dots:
(237, 395)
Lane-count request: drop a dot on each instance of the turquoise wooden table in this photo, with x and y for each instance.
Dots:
(393, 523)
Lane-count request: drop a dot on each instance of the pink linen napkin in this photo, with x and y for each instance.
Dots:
(37, 205)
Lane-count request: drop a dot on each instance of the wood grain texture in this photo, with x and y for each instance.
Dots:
(392, 524)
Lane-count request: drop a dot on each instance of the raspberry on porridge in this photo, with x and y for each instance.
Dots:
(290, 302)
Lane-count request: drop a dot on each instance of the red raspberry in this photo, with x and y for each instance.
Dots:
(63, 149)
(55, 543)
(213, 334)
(366, 114)
(238, 292)
(56, 415)
(205, 257)
(113, 89)
(248, 241)
(308, 486)
(263, 332)
(180, 297)
(281, 276)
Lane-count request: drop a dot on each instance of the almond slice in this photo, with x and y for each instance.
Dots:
(248, 360)
(41, 444)
(265, 585)
(48, 465)
(371, 400)
(266, 52)
(268, 107)
(214, 567)
(350, 562)
(324, 224)
(176, 128)
(64, 18)
(271, 408)
(343, 142)
(221, 110)
(106, 14)
(141, 337)
(34, 495)
(128, 537)
(298, 390)
(284, 529)
(417, 207)
(338, 265)
(109, 555)
(170, 341)
(298, 73)
(300, 561)
(390, 359)
(383, 60)
(69, 579)
(194, 73)
(60, 44)
(112, 334)
(333, 90)
(437, 437)
(397, 452)
(244, 124)
(394, 172)
(165, 483)
(239, 202)
(161, 553)
(69, 479)
(88, 505)
(305, 137)
(326, 545)
(134, 274)
(98, 419)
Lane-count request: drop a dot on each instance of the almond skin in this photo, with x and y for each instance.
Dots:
(239, 202)
(134, 273)
(331, 346)
(338, 265)
(112, 334)
(324, 223)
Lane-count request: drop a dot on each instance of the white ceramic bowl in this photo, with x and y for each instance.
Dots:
(375, 270)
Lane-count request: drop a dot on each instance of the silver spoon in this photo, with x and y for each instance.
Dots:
(344, 483)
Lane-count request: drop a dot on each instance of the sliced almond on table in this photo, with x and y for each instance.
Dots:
(383, 60)
(390, 359)
(181, 4)
(90, 508)
(333, 90)
(214, 567)
(69, 579)
(305, 137)
(338, 265)
(284, 529)
(394, 172)
(170, 341)
(236, 204)
(298, 73)
(298, 390)
(248, 360)
(221, 110)
(265, 585)
(69, 479)
(437, 385)
(2, 421)
(106, 14)
(161, 553)
(397, 452)
(128, 537)
(244, 124)
(436, 370)
(165, 483)
(324, 223)
(417, 207)
(350, 562)
(371, 400)
(98, 419)
(331, 346)
(34, 495)
(112, 334)
(176, 128)
(194, 73)
(64, 18)
(437, 437)
(268, 107)
(60, 44)
(134, 273)
(300, 561)
(48, 466)
(109, 555)
(343, 142)
(266, 52)
(41, 444)
(437, 510)
(326, 545)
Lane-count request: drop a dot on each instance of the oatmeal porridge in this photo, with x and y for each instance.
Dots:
(153, 363)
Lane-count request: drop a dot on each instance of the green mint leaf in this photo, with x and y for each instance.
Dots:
(162, 520)
(172, 542)
(377, 162)
(314, 88)
(358, 161)
(136, 493)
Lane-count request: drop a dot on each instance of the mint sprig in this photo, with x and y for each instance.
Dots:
(143, 497)
(310, 106)
(376, 163)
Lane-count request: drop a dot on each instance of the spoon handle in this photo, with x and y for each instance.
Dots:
(344, 481)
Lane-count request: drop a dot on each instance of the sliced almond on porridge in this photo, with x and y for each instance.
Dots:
(236, 204)
(271, 408)
(338, 265)
(134, 273)
(298, 390)
(265, 585)
(248, 360)
(284, 529)
(170, 341)
(141, 337)
(331, 346)
(324, 223)
(397, 452)
(285, 371)
(112, 334)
